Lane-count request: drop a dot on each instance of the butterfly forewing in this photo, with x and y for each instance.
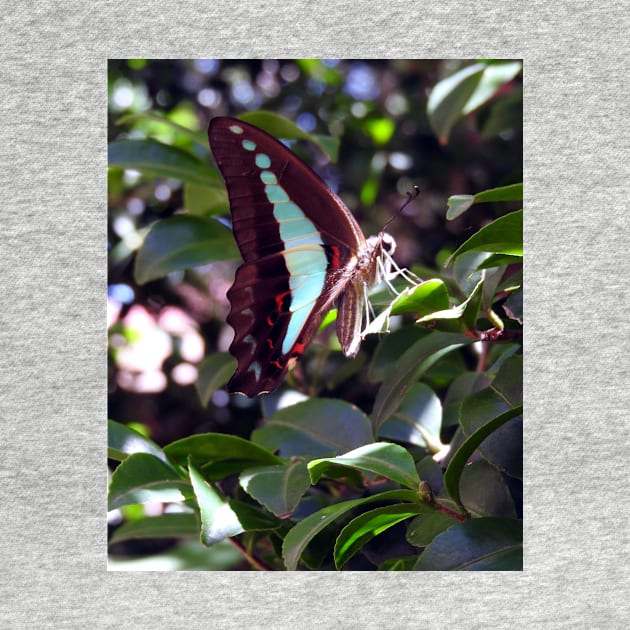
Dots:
(299, 243)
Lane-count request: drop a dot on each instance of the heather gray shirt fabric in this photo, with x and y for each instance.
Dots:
(53, 278)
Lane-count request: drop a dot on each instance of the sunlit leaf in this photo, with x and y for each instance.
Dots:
(381, 458)
(303, 533)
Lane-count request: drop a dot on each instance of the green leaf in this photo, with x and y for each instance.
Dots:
(182, 242)
(315, 427)
(427, 297)
(188, 556)
(218, 519)
(204, 201)
(123, 441)
(467, 311)
(484, 491)
(499, 260)
(217, 447)
(301, 535)
(408, 369)
(454, 470)
(513, 192)
(449, 97)
(398, 564)
(198, 137)
(380, 129)
(161, 160)
(389, 350)
(504, 448)
(162, 526)
(214, 372)
(418, 421)
(143, 478)
(502, 236)
(424, 528)
(457, 205)
(282, 127)
(494, 77)
(481, 544)
(364, 528)
(381, 458)
(278, 488)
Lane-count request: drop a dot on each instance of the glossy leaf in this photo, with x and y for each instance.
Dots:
(398, 564)
(278, 488)
(480, 544)
(315, 427)
(408, 369)
(494, 77)
(360, 530)
(161, 160)
(182, 242)
(427, 297)
(381, 458)
(143, 478)
(163, 526)
(303, 533)
(418, 421)
(218, 519)
(123, 441)
(513, 192)
(454, 470)
(213, 373)
(502, 236)
(216, 447)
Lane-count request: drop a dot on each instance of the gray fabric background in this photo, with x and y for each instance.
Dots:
(52, 281)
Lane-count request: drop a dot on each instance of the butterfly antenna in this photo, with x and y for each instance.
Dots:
(410, 197)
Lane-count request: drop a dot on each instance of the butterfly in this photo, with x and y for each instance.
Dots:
(302, 251)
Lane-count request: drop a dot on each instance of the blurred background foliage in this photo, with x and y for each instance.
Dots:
(383, 128)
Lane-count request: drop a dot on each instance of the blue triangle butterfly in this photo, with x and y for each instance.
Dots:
(302, 251)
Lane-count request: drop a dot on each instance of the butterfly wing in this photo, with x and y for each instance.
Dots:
(299, 244)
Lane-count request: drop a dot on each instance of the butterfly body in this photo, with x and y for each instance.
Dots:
(302, 251)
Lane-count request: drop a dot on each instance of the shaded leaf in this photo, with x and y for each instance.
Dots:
(315, 427)
(182, 242)
(480, 544)
(409, 367)
(418, 421)
(161, 160)
(162, 526)
(425, 527)
(278, 488)
(216, 447)
(484, 492)
(213, 373)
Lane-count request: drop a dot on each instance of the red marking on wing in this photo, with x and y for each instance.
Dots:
(335, 259)
(277, 364)
(297, 348)
(280, 298)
